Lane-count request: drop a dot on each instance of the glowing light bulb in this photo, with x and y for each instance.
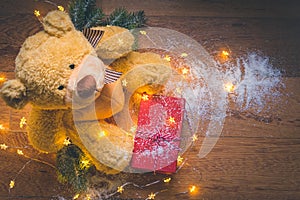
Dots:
(20, 152)
(183, 55)
(2, 79)
(225, 53)
(2, 127)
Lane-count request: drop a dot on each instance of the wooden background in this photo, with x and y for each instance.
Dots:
(257, 157)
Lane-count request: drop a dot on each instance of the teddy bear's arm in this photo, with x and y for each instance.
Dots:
(45, 130)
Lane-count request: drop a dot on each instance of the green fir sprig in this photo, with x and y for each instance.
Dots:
(73, 167)
(85, 14)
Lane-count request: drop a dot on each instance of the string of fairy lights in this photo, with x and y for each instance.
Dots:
(192, 189)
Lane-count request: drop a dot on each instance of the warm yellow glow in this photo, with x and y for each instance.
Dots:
(67, 142)
(167, 180)
(195, 138)
(171, 120)
(229, 87)
(145, 97)
(85, 164)
(60, 8)
(102, 134)
(22, 122)
(120, 189)
(12, 184)
(2, 78)
(88, 197)
(225, 53)
(76, 196)
(1, 127)
(167, 58)
(37, 13)
(151, 196)
(184, 55)
(179, 160)
(184, 71)
(124, 82)
(20, 152)
(193, 189)
(3, 146)
(143, 32)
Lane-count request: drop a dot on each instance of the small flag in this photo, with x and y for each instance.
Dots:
(93, 36)
(111, 76)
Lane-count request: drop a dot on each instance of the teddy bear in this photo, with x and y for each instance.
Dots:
(50, 71)
(61, 75)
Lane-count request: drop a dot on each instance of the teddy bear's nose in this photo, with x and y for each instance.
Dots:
(86, 86)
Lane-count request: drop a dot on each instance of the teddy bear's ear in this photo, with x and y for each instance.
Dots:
(13, 92)
(57, 23)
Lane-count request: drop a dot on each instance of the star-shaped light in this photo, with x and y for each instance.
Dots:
(143, 32)
(167, 58)
(76, 196)
(145, 97)
(85, 164)
(151, 196)
(124, 82)
(179, 160)
(3, 146)
(37, 13)
(20, 152)
(192, 189)
(22, 122)
(61, 8)
(184, 71)
(11, 184)
(67, 142)
(171, 120)
(229, 87)
(194, 138)
(167, 180)
(120, 189)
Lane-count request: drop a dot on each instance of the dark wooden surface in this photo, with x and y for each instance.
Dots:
(257, 157)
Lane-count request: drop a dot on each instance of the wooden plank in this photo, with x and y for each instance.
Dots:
(207, 8)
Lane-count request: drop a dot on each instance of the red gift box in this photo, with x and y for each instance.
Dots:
(157, 139)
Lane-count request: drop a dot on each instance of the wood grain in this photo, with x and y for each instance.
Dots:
(257, 155)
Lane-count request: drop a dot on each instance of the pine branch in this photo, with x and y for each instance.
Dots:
(84, 14)
(121, 17)
(70, 169)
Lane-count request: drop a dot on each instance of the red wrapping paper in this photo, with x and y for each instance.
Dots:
(157, 139)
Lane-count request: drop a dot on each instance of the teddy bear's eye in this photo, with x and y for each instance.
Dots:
(61, 87)
(72, 66)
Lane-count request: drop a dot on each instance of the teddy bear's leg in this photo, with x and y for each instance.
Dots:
(72, 133)
(45, 130)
